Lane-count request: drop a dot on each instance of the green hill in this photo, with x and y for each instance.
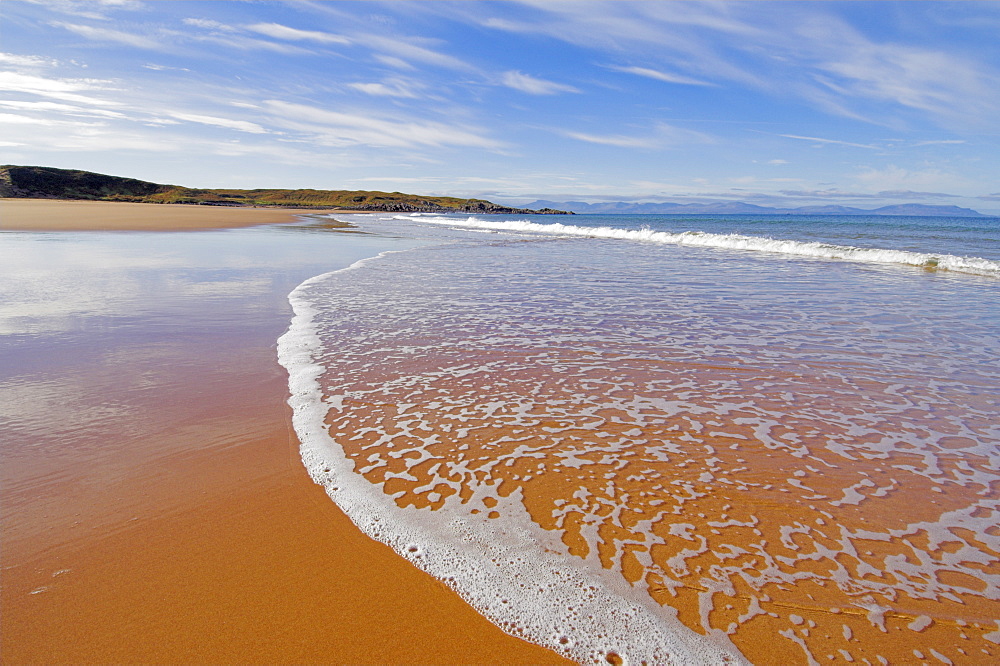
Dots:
(50, 183)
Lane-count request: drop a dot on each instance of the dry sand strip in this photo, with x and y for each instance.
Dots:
(63, 215)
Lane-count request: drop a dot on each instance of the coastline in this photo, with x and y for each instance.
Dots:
(181, 525)
(81, 215)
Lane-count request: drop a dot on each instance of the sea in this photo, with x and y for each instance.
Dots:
(673, 439)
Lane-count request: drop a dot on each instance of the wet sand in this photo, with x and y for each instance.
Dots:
(61, 215)
(779, 491)
(162, 514)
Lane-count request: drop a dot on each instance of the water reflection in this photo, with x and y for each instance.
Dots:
(56, 282)
(120, 348)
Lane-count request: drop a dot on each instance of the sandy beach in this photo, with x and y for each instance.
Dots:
(162, 513)
(61, 215)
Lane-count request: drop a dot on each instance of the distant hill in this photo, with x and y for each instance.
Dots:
(50, 183)
(739, 208)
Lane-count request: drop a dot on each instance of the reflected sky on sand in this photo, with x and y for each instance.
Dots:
(69, 281)
(118, 348)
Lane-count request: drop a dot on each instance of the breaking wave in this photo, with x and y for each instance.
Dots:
(929, 261)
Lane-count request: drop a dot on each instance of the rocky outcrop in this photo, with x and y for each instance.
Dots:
(488, 207)
(475, 207)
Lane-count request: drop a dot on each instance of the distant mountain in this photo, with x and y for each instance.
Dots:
(36, 182)
(739, 208)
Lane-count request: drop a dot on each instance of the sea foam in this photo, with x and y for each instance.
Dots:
(512, 571)
(948, 262)
(758, 453)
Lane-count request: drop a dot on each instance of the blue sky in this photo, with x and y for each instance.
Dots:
(781, 104)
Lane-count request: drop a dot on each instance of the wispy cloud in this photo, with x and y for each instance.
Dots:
(99, 34)
(99, 10)
(815, 139)
(67, 90)
(68, 109)
(786, 50)
(26, 61)
(666, 77)
(941, 142)
(208, 24)
(17, 119)
(242, 37)
(408, 52)
(662, 136)
(914, 77)
(228, 123)
(835, 194)
(389, 88)
(618, 140)
(896, 178)
(164, 68)
(393, 61)
(278, 31)
(343, 129)
(534, 86)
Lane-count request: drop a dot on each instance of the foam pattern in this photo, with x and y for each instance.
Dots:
(649, 464)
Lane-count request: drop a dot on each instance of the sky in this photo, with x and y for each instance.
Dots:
(779, 104)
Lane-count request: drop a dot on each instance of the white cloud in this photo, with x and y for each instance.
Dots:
(613, 140)
(59, 108)
(244, 43)
(662, 136)
(394, 62)
(91, 9)
(670, 35)
(228, 123)
(400, 49)
(234, 36)
(815, 139)
(835, 194)
(661, 76)
(942, 142)
(797, 50)
(208, 24)
(30, 61)
(895, 178)
(164, 68)
(391, 88)
(278, 31)
(15, 119)
(918, 78)
(66, 90)
(109, 35)
(532, 86)
(338, 128)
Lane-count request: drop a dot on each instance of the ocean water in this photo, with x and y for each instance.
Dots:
(671, 439)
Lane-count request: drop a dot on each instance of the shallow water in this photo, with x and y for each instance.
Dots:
(648, 451)
(98, 373)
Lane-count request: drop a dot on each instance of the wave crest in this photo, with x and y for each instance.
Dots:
(948, 262)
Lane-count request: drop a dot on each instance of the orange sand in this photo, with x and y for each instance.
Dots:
(200, 538)
(719, 514)
(268, 571)
(62, 215)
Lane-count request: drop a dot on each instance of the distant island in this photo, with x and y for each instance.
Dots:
(37, 182)
(739, 208)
